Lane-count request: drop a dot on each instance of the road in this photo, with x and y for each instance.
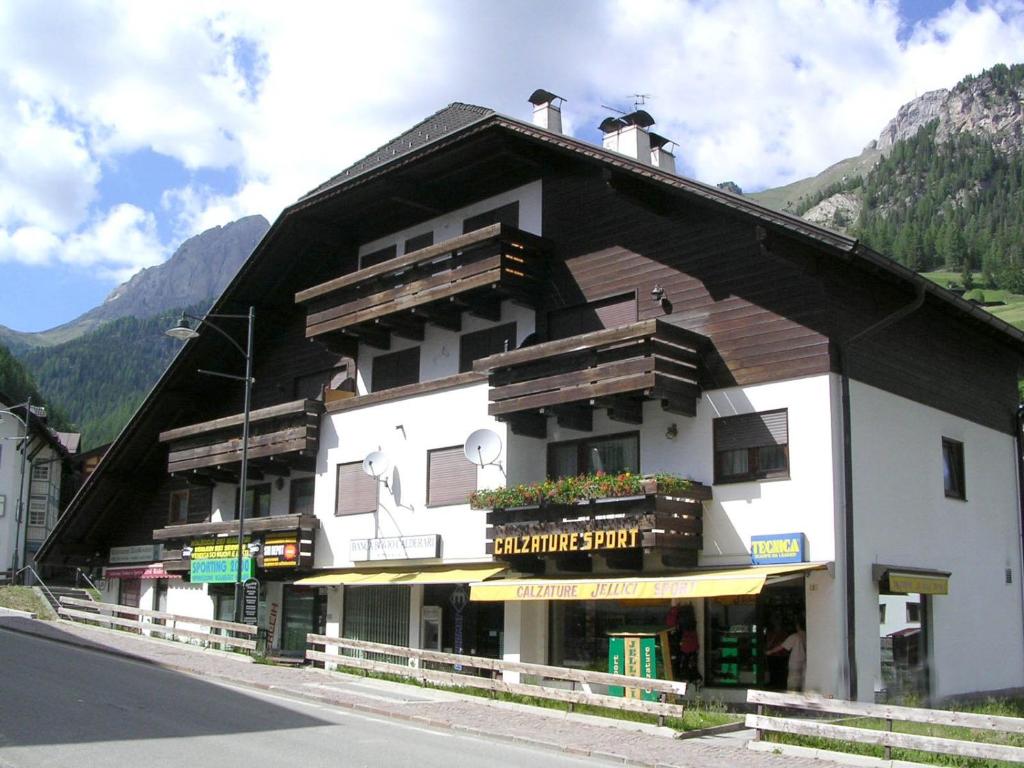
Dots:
(62, 706)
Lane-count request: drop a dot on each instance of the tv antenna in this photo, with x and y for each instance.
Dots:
(482, 447)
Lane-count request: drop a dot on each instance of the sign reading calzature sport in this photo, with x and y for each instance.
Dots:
(575, 541)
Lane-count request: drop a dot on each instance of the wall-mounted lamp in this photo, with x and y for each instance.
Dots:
(279, 483)
(672, 432)
(657, 293)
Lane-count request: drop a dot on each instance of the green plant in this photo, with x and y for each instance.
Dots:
(567, 490)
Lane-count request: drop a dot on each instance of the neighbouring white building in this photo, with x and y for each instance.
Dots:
(770, 426)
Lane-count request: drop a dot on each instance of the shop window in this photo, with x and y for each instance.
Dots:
(505, 214)
(300, 500)
(377, 257)
(953, 468)
(37, 511)
(41, 472)
(579, 630)
(754, 446)
(417, 242)
(396, 369)
(178, 509)
(450, 477)
(357, 491)
(489, 341)
(377, 615)
(257, 501)
(612, 455)
(610, 312)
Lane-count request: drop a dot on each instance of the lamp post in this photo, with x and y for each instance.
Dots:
(21, 483)
(183, 332)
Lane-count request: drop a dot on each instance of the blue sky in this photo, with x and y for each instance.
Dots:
(130, 126)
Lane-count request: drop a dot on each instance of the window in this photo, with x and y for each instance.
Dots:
(301, 501)
(396, 369)
(357, 491)
(505, 214)
(37, 511)
(416, 242)
(41, 472)
(953, 468)
(610, 312)
(881, 613)
(3, 505)
(754, 446)
(913, 612)
(257, 501)
(612, 454)
(490, 341)
(376, 257)
(178, 508)
(450, 477)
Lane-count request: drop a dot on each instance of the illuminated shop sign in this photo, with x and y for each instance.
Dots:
(778, 548)
(574, 541)
(285, 550)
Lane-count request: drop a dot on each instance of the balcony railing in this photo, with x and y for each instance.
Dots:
(616, 369)
(229, 528)
(473, 273)
(286, 435)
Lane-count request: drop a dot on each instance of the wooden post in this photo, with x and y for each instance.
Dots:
(757, 731)
(663, 698)
(888, 749)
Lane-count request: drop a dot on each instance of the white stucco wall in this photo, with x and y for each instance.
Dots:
(437, 420)
(903, 518)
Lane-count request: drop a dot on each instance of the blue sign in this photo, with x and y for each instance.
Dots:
(778, 548)
(219, 570)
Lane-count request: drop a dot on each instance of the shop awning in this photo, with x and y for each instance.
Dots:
(463, 574)
(896, 580)
(718, 583)
(152, 571)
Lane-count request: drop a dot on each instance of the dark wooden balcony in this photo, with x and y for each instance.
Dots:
(616, 368)
(620, 530)
(281, 438)
(272, 524)
(473, 273)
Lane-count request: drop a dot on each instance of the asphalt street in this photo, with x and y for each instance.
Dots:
(62, 706)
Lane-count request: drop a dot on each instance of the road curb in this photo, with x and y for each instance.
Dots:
(15, 612)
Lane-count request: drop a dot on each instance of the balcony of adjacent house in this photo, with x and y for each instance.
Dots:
(616, 370)
(437, 285)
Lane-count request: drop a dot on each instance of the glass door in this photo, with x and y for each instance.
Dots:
(300, 616)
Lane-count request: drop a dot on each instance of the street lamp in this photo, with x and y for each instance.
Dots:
(183, 332)
(21, 484)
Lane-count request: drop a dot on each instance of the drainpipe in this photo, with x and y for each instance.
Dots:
(842, 350)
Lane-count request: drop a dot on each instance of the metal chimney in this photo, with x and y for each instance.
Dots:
(547, 110)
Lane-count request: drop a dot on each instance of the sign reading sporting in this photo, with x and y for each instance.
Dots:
(219, 570)
(574, 541)
(778, 548)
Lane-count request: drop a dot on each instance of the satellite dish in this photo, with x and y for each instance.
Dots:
(376, 464)
(483, 447)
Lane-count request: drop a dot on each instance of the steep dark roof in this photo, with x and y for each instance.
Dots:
(453, 117)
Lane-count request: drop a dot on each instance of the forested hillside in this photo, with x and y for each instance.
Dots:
(101, 378)
(18, 384)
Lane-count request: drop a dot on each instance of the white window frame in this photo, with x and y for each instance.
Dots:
(41, 472)
(35, 501)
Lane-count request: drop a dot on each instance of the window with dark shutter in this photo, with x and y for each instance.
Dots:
(953, 469)
(416, 242)
(753, 446)
(505, 214)
(300, 501)
(396, 369)
(357, 491)
(378, 256)
(592, 316)
(490, 341)
(450, 477)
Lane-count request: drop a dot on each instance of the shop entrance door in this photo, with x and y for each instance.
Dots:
(903, 637)
(300, 615)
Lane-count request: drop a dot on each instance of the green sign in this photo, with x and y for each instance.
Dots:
(220, 570)
(636, 656)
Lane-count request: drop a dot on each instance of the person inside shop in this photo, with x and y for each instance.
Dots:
(777, 664)
(683, 620)
(796, 645)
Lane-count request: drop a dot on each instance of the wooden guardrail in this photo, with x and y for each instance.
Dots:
(108, 613)
(416, 671)
(888, 739)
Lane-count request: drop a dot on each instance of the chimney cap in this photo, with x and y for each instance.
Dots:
(540, 96)
(611, 125)
(658, 141)
(639, 118)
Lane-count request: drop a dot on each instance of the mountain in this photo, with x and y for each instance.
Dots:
(197, 272)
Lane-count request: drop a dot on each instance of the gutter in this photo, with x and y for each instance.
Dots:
(842, 350)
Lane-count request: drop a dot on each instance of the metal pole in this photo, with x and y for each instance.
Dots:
(18, 515)
(243, 480)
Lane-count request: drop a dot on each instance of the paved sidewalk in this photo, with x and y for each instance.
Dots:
(614, 740)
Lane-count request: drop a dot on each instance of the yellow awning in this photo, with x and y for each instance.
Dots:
(738, 581)
(368, 576)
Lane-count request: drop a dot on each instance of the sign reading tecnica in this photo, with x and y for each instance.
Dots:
(778, 548)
